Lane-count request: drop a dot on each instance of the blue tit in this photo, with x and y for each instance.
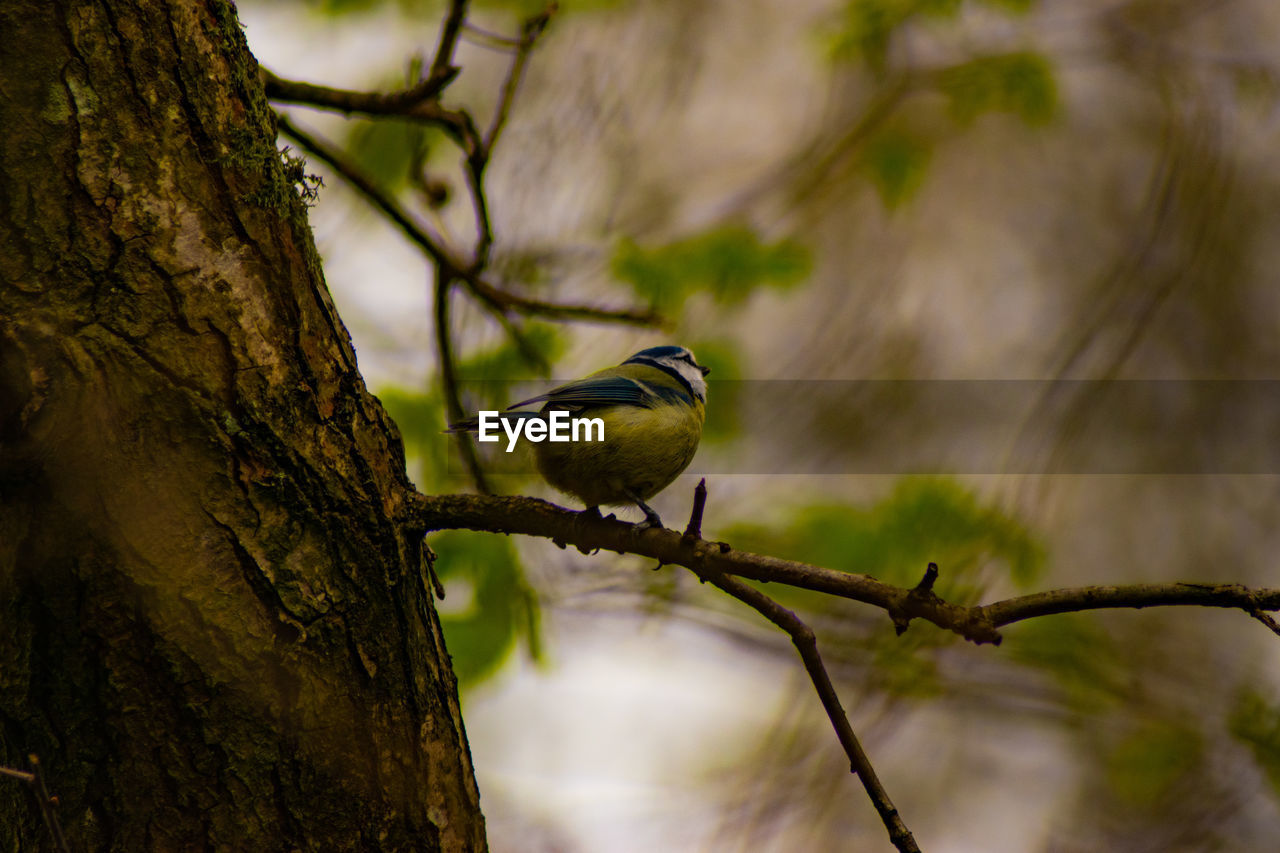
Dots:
(652, 407)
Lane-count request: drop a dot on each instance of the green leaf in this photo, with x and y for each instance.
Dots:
(344, 7)
(1016, 7)
(727, 261)
(868, 26)
(896, 161)
(1255, 722)
(386, 149)
(1145, 765)
(1020, 83)
(488, 605)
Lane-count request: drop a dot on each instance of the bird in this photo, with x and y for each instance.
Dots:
(651, 407)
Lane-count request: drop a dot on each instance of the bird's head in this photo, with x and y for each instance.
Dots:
(677, 361)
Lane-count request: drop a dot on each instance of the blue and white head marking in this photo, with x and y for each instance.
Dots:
(677, 362)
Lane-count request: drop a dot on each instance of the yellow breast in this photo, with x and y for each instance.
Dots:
(642, 452)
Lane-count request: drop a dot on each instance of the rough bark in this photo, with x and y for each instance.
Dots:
(211, 630)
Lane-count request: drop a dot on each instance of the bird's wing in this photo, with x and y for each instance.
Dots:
(473, 424)
(597, 391)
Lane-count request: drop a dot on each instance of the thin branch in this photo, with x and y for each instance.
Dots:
(420, 235)
(978, 624)
(694, 529)
(478, 155)
(1075, 599)
(379, 198)
(806, 644)
(530, 307)
(498, 300)
(409, 103)
(532, 30)
(442, 66)
(449, 378)
(47, 802)
(1266, 619)
(481, 37)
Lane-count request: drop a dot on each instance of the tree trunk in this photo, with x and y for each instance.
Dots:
(212, 631)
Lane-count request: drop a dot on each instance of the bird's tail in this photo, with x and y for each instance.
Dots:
(473, 424)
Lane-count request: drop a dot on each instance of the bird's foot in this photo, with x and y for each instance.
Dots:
(651, 520)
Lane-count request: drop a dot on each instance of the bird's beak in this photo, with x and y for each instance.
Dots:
(705, 370)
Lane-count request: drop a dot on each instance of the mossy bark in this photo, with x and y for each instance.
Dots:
(212, 631)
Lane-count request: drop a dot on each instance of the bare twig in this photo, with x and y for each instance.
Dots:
(20, 775)
(1074, 599)
(430, 558)
(694, 528)
(418, 233)
(449, 378)
(478, 156)
(717, 563)
(979, 624)
(35, 779)
(532, 30)
(481, 37)
(506, 300)
(442, 66)
(499, 301)
(46, 806)
(412, 103)
(806, 644)
(1266, 619)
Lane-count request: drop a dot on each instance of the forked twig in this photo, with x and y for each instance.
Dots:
(806, 644)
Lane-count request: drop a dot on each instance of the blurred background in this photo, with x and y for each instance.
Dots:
(991, 284)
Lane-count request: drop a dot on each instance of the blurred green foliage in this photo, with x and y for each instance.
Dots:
(505, 362)
(923, 520)
(420, 417)
(1255, 722)
(1018, 83)
(500, 606)
(1148, 762)
(387, 149)
(896, 160)
(728, 261)
(1077, 653)
(867, 26)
